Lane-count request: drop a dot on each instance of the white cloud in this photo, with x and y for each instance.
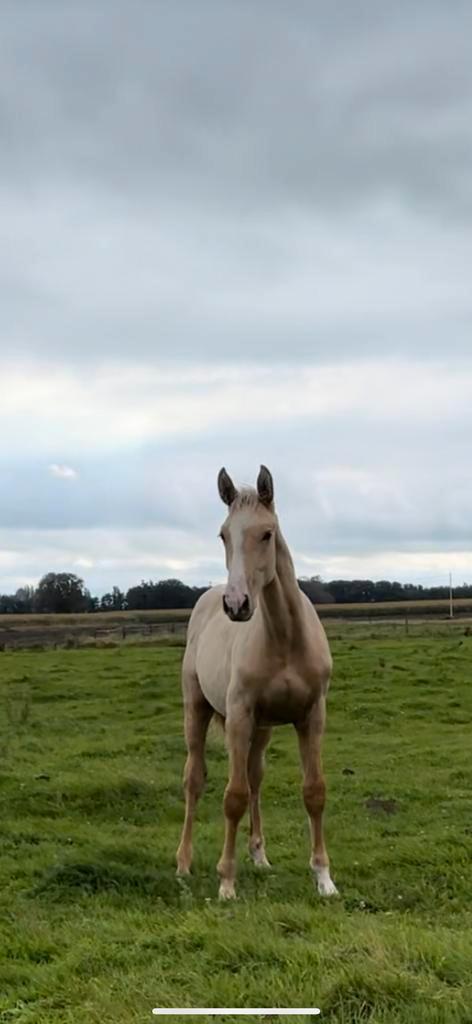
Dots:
(428, 567)
(63, 472)
(124, 557)
(84, 563)
(368, 459)
(122, 407)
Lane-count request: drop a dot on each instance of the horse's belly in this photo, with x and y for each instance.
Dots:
(213, 670)
(211, 689)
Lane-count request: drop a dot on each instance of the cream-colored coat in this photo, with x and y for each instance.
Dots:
(257, 656)
(281, 679)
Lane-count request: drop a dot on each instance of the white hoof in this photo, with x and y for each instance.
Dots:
(324, 882)
(227, 891)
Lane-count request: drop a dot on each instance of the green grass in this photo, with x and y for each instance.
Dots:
(94, 926)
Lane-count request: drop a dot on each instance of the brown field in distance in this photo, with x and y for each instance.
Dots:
(111, 628)
(373, 609)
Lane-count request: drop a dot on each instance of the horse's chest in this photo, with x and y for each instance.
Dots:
(286, 697)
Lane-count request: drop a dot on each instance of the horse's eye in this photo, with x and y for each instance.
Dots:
(267, 535)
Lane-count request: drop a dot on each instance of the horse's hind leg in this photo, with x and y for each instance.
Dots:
(255, 771)
(310, 735)
(197, 714)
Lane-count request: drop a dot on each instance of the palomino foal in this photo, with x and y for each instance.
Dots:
(256, 656)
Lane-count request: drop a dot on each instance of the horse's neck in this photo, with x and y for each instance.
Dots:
(281, 601)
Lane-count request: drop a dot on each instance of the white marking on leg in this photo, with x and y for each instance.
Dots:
(258, 855)
(324, 882)
(227, 891)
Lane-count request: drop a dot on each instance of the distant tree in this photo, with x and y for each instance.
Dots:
(164, 594)
(24, 598)
(385, 590)
(315, 589)
(64, 592)
(355, 591)
(340, 589)
(114, 602)
(61, 592)
(119, 599)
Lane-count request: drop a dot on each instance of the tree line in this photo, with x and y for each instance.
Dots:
(66, 593)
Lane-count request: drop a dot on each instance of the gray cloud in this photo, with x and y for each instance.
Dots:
(168, 170)
(313, 105)
(217, 187)
(340, 486)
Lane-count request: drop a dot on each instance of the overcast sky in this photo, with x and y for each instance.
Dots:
(232, 233)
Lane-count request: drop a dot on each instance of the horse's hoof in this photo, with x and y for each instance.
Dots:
(259, 859)
(227, 891)
(327, 888)
(324, 882)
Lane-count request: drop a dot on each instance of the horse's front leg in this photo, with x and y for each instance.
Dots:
(197, 719)
(239, 730)
(255, 770)
(310, 735)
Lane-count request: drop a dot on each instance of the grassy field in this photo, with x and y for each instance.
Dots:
(94, 926)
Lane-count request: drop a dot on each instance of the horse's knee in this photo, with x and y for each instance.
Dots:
(314, 795)
(235, 802)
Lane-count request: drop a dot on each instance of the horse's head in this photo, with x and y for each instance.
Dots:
(248, 534)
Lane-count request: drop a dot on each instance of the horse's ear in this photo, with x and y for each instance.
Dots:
(226, 487)
(265, 486)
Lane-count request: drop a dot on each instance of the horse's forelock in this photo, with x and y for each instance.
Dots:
(247, 497)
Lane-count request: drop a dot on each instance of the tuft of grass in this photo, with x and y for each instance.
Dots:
(94, 925)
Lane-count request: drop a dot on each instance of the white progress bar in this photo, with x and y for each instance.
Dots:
(258, 1011)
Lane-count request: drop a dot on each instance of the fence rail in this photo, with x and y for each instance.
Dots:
(86, 631)
(22, 637)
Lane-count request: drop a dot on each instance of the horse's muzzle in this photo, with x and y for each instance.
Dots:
(241, 614)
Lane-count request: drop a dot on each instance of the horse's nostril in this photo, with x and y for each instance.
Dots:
(241, 613)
